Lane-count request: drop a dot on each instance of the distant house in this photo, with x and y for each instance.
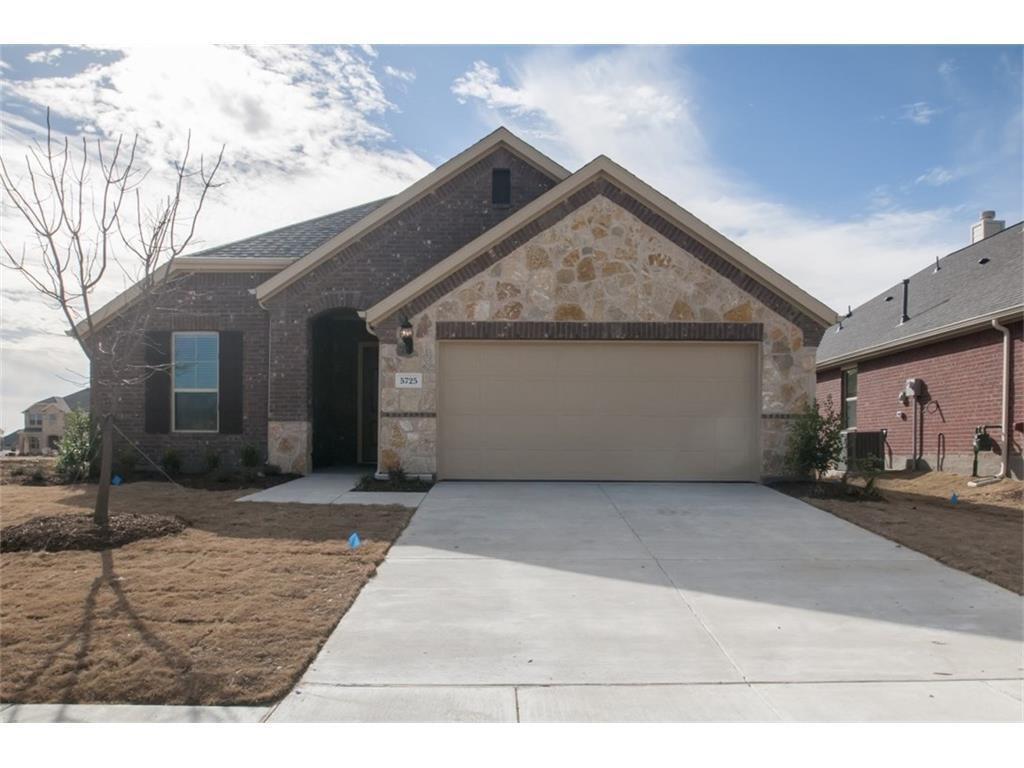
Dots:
(44, 422)
(926, 360)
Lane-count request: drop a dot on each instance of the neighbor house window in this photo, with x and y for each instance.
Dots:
(196, 365)
(35, 419)
(850, 398)
(501, 186)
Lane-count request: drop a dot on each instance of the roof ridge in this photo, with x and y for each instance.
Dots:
(379, 201)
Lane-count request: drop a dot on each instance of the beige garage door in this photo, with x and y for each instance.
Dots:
(598, 411)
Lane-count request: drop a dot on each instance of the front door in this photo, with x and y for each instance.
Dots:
(368, 391)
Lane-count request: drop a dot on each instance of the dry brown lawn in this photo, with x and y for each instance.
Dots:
(231, 611)
(982, 534)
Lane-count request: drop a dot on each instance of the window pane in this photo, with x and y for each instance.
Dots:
(195, 410)
(850, 414)
(850, 383)
(206, 347)
(184, 347)
(184, 375)
(206, 375)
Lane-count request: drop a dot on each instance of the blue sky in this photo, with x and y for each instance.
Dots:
(844, 168)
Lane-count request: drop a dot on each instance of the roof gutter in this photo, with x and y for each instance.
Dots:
(1009, 314)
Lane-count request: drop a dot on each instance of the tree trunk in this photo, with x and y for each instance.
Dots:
(101, 515)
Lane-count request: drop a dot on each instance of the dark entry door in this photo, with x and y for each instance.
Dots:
(368, 393)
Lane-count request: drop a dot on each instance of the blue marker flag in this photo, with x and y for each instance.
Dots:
(116, 480)
(954, 498)
(353, 541)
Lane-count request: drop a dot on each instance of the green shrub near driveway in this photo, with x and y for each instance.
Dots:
(815, 440)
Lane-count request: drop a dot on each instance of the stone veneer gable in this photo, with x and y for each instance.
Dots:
(596, 263)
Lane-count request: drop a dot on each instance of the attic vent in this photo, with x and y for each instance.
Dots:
(888, 298)
(501, 186)
(984, 260)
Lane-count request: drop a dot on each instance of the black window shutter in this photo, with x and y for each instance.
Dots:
(158, 382)
(231, 382)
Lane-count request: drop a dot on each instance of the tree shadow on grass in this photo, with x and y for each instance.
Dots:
(82, 640)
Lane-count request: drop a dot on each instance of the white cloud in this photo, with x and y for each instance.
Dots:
(919, 113)
(947, 67)
(936, 177)
(636, 106)
(50, 56)
(304, 134)
(405, 75)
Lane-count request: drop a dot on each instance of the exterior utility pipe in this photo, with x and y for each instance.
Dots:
(1004, 422)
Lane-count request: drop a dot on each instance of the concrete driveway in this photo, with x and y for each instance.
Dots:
(624, 601)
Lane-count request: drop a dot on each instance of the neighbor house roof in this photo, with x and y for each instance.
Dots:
(603, 167)
(971, 287)
(75, 401)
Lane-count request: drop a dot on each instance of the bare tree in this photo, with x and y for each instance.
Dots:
(83, 234)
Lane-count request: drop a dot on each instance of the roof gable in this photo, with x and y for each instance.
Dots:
(960, 295)
(395, 205)
(603, 176)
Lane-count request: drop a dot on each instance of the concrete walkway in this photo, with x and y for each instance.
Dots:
(332, 487)
(608, 602)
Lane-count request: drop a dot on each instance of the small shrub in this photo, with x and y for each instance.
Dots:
(397, 473)
(36, 478)
(17, 472)
(224, 476)
(250, 457)
(78, 448)
(869, 467)
(212, 459)
(248, 474)
(271, 470)
(815, 440)
(171, 462)
(128, 460)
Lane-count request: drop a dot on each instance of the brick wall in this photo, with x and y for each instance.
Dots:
(197, 302)
(377, 265)
(963, 377)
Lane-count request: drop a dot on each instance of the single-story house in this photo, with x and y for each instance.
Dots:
(44, 422)
(500, 318)
(937, 356)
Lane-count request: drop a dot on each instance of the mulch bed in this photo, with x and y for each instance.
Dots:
(413, 484)
(56, 533)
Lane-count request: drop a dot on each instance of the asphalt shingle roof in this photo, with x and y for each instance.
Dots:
(295, 240)
(961, 289)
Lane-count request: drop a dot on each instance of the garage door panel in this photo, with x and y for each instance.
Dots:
(598, 411)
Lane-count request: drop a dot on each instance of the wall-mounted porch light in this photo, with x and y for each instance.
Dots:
(405, 336)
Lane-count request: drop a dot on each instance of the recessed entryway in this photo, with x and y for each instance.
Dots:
(344, 382)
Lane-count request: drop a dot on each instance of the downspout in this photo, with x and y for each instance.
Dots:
(1004, 422)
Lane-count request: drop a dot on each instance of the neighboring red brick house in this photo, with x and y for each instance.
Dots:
(940, 328)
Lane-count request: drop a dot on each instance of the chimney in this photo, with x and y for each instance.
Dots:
(986, 226)
(906, 290)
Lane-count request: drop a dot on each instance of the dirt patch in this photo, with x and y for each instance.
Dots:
(56, 533)
(230, 611)
(981, 533)
(402, 484)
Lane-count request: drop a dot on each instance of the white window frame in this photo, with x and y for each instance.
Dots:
(175, 390)
(844, 399)
(35, 419)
